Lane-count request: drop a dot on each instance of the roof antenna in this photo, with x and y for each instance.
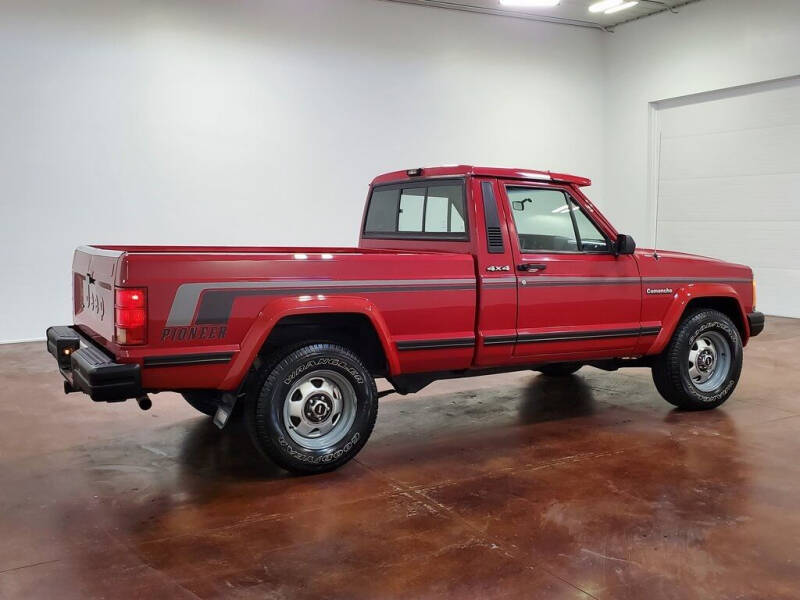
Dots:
(658, 194)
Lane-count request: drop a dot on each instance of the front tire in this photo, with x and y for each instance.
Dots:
(701, 365)
(314, 410)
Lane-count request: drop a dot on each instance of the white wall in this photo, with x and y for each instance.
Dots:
(261, 122)
(709, 45)
(729, 181)
(245, 122)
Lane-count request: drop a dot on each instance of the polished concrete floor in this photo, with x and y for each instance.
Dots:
(513, 486)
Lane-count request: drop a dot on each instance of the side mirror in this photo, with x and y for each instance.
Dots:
(625, 244)
(520, 204)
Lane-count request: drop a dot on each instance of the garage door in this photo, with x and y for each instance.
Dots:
(729, 184)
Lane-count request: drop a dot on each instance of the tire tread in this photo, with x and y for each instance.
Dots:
(667, 368)
(258, 405)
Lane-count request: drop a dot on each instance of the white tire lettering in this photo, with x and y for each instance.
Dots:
(324, 458)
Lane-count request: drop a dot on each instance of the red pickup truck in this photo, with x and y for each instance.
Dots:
(460, 271)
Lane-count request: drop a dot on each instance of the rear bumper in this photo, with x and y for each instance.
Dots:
(756, 322)
(87, 368)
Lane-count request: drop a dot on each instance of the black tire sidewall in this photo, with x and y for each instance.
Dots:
(269, 427)
(695, 327)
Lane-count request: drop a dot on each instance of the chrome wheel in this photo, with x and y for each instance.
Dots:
(709, 361)
(319, 409)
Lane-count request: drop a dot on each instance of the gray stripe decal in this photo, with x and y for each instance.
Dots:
(499, 282)
(188, 294)
(533, 280)
(216, 305)
(555, 281)
(695, 280)
(501, 286)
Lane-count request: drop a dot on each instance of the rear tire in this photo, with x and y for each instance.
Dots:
(313, 410)
(700, 367)
(559, 369)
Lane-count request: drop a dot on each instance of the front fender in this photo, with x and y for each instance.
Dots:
(278, 308)
(683, 296)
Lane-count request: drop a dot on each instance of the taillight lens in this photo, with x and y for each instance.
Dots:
(130, 315)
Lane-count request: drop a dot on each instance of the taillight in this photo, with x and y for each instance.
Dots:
(130, 315)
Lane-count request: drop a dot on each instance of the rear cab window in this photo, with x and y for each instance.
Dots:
(418, 210)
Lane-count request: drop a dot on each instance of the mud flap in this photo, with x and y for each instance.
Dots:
(226, 404)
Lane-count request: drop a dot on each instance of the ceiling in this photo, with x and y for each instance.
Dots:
(569, 12)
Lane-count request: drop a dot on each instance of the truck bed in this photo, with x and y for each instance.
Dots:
(210, 300)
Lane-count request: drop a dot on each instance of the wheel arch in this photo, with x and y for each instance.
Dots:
(353, 322)
(721, 297)
(727, 305)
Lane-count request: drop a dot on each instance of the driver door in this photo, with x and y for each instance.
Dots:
(576, 299)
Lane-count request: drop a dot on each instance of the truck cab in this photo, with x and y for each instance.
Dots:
(556, 281)
(459, 271)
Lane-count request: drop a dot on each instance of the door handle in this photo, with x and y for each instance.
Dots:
(528, 267)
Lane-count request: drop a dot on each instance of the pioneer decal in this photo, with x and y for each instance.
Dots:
(657, 291)
(198, 332)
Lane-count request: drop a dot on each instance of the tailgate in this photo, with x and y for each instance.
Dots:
(94, 272)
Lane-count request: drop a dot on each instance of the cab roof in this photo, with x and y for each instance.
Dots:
(464, 170)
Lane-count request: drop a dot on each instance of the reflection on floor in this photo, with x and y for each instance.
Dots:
(514, 486)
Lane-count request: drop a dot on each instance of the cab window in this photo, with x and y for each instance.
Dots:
(549, 220)
(425, 209)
